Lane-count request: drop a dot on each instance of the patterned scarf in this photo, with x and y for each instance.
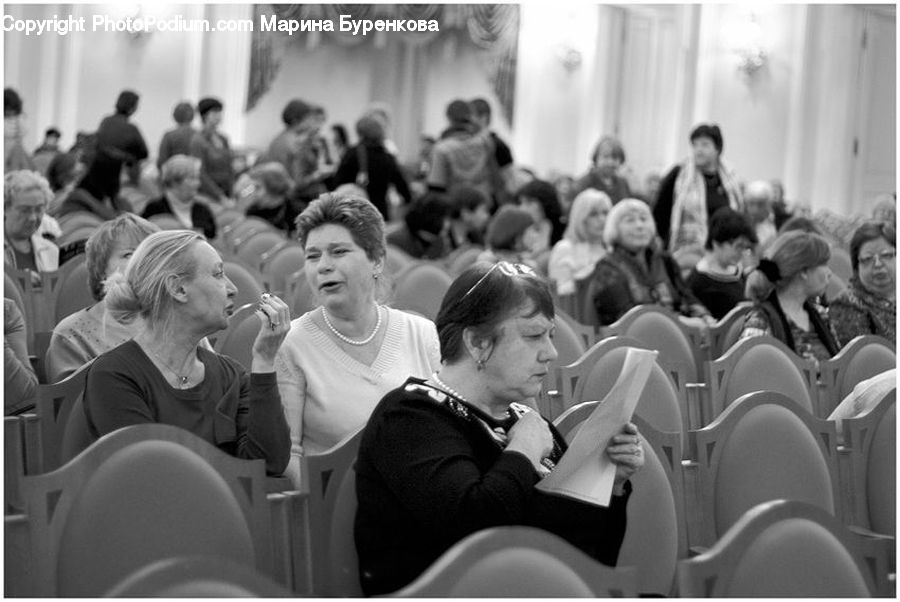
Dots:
(688, 226)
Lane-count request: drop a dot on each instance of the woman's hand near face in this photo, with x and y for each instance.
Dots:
(531, 437)
(626, 451)
(275, 322)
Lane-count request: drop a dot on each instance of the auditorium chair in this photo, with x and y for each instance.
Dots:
(396, 260)
(867, 462)
(54, 406)
(250, 248)
(241, 229)
(764, 446)
(73, 292)
(236, 341)
(278, 264)
(757, 363)
(227, 217)
(421, 287)
(141, 494)
(74, 235)
(656, 536)
(680, 347)
(863, 357)
(782, 549)
(78, 219)
(197, 577)
(462, 259)
(569, 347)
(166, 221)
(587, 333)
(726, 332)
(594, 373)
(299, 294)
(329, 482)
(519, 562)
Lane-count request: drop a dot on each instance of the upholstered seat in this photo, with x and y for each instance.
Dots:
(862, 358)
(247, 281)
(421, 288)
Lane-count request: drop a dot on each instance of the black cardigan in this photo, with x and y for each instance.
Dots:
(426, 478)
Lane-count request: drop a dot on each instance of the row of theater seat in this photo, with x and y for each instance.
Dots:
(147, 493)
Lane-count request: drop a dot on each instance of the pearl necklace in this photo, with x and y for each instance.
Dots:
(347, 339)
(447, 388)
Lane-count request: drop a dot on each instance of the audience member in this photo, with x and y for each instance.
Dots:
(758, 200)
(780, 209)
(26, 196)
(268, 194)
(381, 112)
(177, 141)
(469, 217)
(885, 209)
(693, 190)
(339, 359)
(464, 156)
(296, 117)
(63, 173)
(176, 284)
(718, 279)
(481, 117)
(539, 198)
(425, 230)
(19, 380)
(369, 165)
(472, 451)
(801, 223)
(607, 158)
(507, 235)
(869, 303)
(565, 191)
(793, 270)
(47, 151)
(636, 272)
(15, 156)
(180, 177)
(211, 147)
(575, 256)
(119, 142)
(87, 333)
(310, 171)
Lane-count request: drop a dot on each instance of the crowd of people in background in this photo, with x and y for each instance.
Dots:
(696, 240)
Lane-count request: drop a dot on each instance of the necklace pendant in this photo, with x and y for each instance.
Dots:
(184, 380)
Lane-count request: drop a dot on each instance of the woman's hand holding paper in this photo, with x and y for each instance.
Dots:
(627, 453)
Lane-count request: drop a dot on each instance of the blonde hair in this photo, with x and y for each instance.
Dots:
(618, 212)
(177, 168)
(793, 252)
(25, 180)
(586, 201)
(141, 290)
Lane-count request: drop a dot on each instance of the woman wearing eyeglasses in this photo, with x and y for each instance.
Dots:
(339, 359)
(869, 305)
(455, 452)
(793, 271)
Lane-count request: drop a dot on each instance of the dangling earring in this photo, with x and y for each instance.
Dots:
(375, 276)
(479, 363)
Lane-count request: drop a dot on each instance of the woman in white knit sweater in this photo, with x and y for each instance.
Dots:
(574, 257)
(339, 359)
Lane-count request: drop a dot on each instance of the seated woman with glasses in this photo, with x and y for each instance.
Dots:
(339, 359)
(636, 271)
(718, 278)
(791, 274)
(869, 304)
(448, 455)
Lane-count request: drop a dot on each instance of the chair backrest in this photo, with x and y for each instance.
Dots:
(569, 347)
(141, 494)
(421, 287)
(251, 248)
(325, 484)
(11, 290)
(780, 549)
(595, 372)
(73, 292)
(840, 264)
(870, 484)
(248, 283)
(237, 340)
(764, 446)
(299, 294)
(679, 346)
(587, 333)
(726, 332)
(227, 216)
(78, 219)
(278, 264)
(166, 221)
(343, 560)
(463, 259)
(54, 406)
(197, 577)
(656, 536)
(77, 435)
(519, 562)
(396, 260)
(861, 358)
(75, 234)
(739, 372)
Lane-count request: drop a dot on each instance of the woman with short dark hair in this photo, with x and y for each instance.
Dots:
(340, 358)
(460, 451)
(211, 147)
(606, 159)
(869, 303)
